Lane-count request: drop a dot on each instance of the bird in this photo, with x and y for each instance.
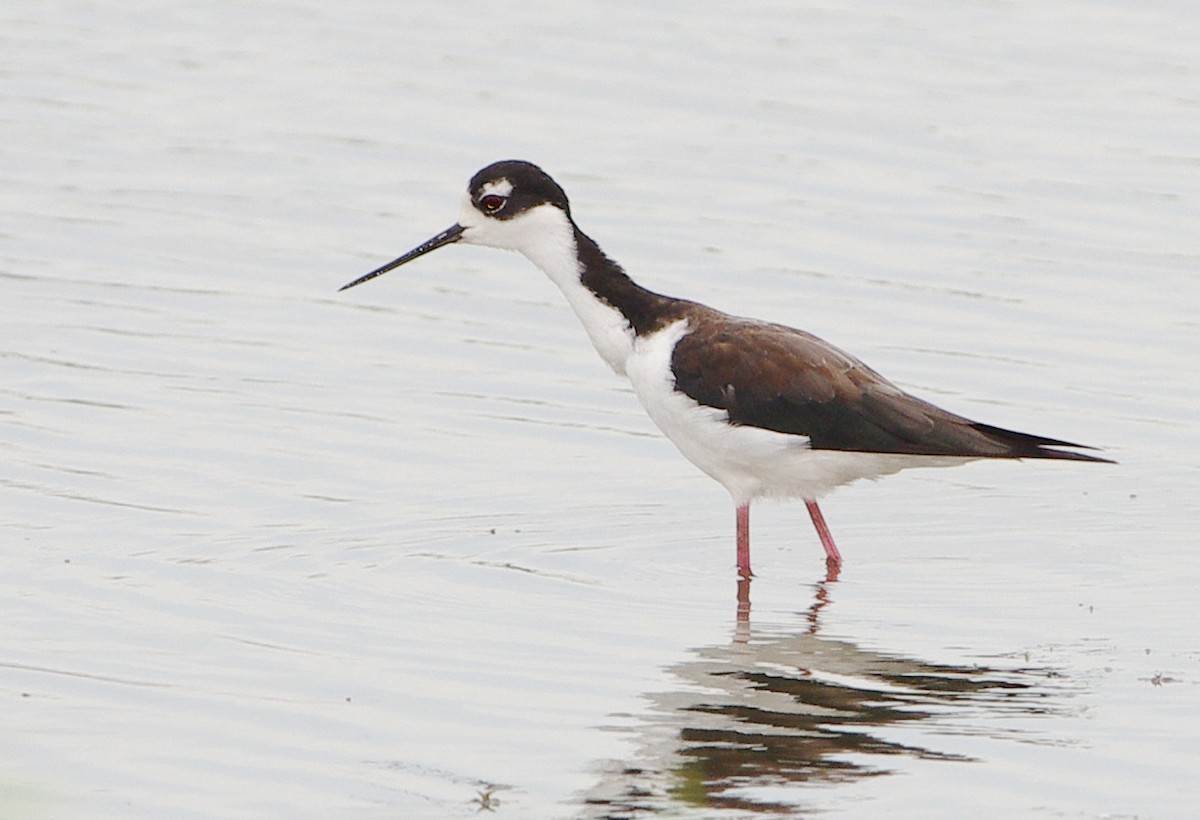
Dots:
(765, 409)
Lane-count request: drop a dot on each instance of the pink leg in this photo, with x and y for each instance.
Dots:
(743, 541)
(831, 551)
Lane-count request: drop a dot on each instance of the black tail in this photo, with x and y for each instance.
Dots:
(1024, 445)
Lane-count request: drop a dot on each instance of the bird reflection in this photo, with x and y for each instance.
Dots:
(782, 708)
(820, 600)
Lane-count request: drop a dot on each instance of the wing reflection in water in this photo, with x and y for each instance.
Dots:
(776, 710)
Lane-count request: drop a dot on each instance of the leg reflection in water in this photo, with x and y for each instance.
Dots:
(756, 721)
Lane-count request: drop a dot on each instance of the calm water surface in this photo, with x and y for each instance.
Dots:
(411, 551)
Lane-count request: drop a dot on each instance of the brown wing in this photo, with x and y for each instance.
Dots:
(782, 379)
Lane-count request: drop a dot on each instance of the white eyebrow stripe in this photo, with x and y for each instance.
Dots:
(500, 187)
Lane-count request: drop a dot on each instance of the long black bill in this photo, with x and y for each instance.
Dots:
(446, 237)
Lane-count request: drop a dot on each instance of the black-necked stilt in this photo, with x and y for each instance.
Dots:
(764, 409)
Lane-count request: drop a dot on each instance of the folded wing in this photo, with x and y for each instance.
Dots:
(778, 378)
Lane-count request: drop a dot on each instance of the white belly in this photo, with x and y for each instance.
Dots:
(750, 462)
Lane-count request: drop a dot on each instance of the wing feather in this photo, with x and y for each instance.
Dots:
(778, 378)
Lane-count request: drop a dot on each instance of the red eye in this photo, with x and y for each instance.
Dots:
(491, 202)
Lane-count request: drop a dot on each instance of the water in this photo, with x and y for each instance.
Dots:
(411, 551)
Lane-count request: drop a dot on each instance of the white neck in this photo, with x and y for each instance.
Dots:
(546, 237)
